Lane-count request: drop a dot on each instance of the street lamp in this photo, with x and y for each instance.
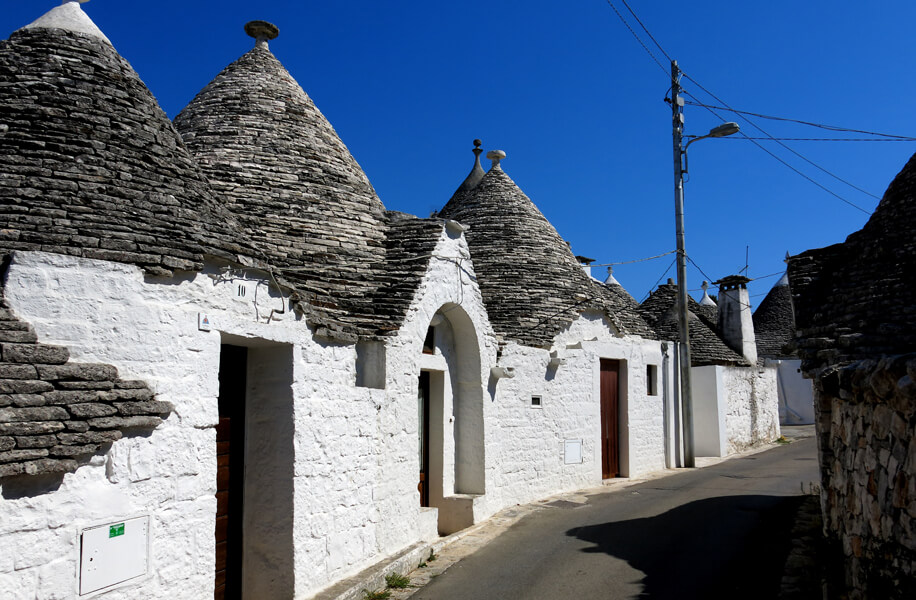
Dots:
(680, 153)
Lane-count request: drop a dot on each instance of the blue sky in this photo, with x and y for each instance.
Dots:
(577, 105)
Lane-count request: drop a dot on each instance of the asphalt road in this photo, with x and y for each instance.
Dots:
(718, 532)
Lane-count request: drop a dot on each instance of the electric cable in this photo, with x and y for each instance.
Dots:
(629, 262)
(648, 33)
(779, 159)
(787, 139)
(790, 149)
(655, 285)
(646, 48)
(809, 123)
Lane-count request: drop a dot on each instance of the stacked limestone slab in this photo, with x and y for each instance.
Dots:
(855, 309)
(90, 165)
(706, 346)
(774, 323)
(857, 299)
(282, 170)
(56, 413)
(532, 284)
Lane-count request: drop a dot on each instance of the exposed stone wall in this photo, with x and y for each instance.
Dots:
(856, 300)
(54, 413)
(752, 406)
(866, 419)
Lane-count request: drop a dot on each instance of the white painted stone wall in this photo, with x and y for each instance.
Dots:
(796, 394)
(525, 444)
(465, 351)
(708, 393)
(355, 464)
(107, 312)
(752, 409)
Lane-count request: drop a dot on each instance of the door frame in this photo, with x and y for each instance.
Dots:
(609, 400)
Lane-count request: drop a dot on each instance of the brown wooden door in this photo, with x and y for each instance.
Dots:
(610, 465)
(230, 456)
(423, 437)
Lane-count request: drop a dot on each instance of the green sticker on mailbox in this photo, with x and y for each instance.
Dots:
(116, 530)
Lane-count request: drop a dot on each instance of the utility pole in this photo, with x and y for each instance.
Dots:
(677, 122)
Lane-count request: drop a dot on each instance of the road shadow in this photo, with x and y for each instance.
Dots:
(727, 547)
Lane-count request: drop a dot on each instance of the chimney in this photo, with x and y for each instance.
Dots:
(586, 264)
(736, 324)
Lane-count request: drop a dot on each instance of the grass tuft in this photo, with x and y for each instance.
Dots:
(397, 581)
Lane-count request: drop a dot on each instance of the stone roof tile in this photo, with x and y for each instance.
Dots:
(285, 174)
(774, 323)
(706, 346)
(91, 166)
(856, 300)
(530, 281)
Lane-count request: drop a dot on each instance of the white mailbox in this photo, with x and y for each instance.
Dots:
(113, 553)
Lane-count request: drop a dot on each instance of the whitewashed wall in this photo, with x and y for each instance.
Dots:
(354, 464)
(752, 406)
(525, 444)
(796, 394)
(107, 312)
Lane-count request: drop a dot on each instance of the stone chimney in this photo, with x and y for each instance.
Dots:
(586, 264)
(736, 323)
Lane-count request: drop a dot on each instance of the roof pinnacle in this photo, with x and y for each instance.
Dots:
(262, 31)
(706, 301)
(611, 280)
(496, 156)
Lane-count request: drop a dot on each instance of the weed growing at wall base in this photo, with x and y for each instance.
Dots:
(397, 581)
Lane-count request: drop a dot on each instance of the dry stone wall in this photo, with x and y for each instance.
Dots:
(54, 413)
(866, 418)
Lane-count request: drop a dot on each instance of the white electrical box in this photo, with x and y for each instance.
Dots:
(572, 452)
(113, 553)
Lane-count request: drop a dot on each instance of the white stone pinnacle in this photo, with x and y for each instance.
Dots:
(69, 16)
(496, 156)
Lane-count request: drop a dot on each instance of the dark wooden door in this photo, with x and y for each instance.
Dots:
(230, 456)
(423, 437)
(610, 464)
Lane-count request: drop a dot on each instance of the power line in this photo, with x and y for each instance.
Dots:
(759, 145)
(810, 123)
(648, 33)
(766, 133)
(637, 38)
(655, 285)
(708, 278)
(628, 262)
(743, 113)
(785, 139)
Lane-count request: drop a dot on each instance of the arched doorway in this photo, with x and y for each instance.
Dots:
(450, 414)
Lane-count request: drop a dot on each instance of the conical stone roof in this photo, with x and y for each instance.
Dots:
(531, 283)
(857, 299)
(90, 165)
(706, 346)
(281, 168)
(774, 322)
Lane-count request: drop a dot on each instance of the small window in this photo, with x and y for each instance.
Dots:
(536, 402)
(652, 380)
(429, 344)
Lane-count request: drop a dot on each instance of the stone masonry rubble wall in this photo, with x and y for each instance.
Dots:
(866, 417)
